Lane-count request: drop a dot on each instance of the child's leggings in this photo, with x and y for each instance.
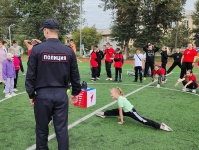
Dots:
(133, 114)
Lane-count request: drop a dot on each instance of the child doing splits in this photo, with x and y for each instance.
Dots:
(125, 108)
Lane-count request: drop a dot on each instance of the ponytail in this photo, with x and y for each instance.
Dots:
(118, 90)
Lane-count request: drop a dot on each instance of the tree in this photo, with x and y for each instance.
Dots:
(195, 17)
(143, 20)
(8, 15)
(29, 15)
(90, 37)
(179, 37)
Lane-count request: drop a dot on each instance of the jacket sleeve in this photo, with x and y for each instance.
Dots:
(31, 75)
(156, 48)
(102, 55)
(117, 59)
(145, 48)
(164, 54)
(74, 76)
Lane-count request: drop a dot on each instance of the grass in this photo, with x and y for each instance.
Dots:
(167, 104)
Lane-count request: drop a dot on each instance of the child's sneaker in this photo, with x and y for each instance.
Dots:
(185, 89)
(100, 114)
(8, 96)
(13, 94)
(158, 85)
(193, 91)
(15, 90)
(165, 127)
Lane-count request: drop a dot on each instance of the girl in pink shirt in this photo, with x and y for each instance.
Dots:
(16, 62)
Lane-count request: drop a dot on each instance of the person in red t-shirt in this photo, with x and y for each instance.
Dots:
(189, 81)
(94, 64)
(161, 75)
(30, 43)
(118, 62)
(188, 59)
(109, 56)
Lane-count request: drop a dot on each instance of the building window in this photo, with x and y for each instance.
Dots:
(186, 23)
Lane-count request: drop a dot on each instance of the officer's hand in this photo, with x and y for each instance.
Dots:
(73, 99)
(32, 101)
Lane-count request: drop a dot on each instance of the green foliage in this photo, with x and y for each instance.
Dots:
(195, 17)
(90, 37)
(143, 20)
(29, 16)
(179, 37)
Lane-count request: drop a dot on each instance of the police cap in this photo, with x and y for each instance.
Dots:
(50, 24)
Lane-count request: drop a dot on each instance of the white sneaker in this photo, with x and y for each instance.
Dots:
(13, 94)
(165, 127)
(185, 89)
(127, 72)
(110, 79)
(107, 79)
(158, 85)
(15, 90)
(4, 91)
(100, 114)
(8, 96)
(194, 91)
(24, 74)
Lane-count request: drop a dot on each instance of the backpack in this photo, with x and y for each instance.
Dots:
(84, 85)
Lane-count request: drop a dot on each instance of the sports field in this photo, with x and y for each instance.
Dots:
(167, 104)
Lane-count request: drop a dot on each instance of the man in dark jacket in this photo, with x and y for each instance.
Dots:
(50, 67)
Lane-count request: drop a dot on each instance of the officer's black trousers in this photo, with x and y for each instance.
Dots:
(51, 102)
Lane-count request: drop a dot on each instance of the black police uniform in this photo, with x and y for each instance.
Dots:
(50, 67)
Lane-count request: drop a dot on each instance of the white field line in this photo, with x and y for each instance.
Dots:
(11, 97)
(90, 115)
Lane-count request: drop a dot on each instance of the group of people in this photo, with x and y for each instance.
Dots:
(10, 64)
(46, 87)
(111, 56)
(185, 61)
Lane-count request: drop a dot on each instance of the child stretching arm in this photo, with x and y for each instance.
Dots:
(125, 108)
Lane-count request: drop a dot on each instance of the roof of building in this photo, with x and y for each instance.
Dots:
(188, 13)
(104, 31)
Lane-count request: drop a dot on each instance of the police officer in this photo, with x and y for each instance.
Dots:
(50, 67)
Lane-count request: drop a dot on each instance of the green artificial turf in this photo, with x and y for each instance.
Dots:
(167, 104)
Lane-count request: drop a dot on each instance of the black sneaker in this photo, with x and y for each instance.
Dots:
(114, 80)
(120, 81)
(135, 81)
